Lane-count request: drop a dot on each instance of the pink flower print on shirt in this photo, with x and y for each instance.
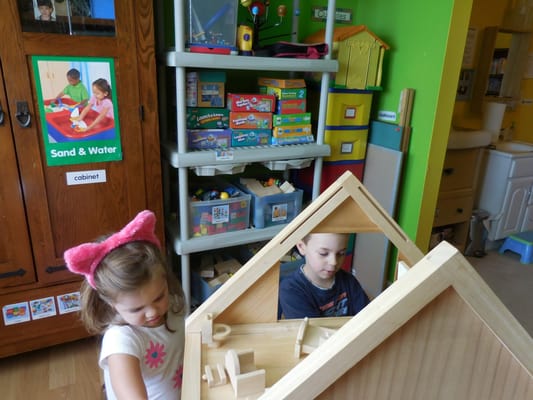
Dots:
(155, 355)
(178, 377)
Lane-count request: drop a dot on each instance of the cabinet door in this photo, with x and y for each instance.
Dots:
(514, 207)
(527, 225)
(16, 264)
(60, 214)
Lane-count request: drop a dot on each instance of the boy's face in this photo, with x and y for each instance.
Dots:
(72, 81)
(46, 12)
(324, 254)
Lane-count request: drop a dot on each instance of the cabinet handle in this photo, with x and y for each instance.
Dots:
(58, 268)
(23, 115)
(1, 116)
(10, 274)
(448, 171)
(459, 210)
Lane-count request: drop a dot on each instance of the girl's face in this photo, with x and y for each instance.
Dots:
(146, 306)
(324, 254)
(99, 94)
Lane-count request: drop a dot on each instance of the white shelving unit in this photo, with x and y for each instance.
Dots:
(177, 156)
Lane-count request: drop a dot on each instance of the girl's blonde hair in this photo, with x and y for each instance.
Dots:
(123, 270)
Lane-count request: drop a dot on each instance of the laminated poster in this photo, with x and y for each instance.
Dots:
(78, 109)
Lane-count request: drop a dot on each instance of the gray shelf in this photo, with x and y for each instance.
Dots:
(227, 239)
(219, 61)
(244, 155)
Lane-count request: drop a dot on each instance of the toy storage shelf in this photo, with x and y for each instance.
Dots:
(244, 154)
(177, 156)
(213, 242)
(200, 60)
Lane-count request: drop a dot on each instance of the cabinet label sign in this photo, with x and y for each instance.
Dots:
(78, 107)
(86, 177)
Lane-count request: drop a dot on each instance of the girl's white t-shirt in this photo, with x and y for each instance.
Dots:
(160, 354)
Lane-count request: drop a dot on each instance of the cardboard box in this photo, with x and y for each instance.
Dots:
(291, 119)
(207, 118)
(210, 89)
(294, 106)
(251, 137)
(292, 131)
(279, 141)
(281, 83)
(251, 102)
(250, 120)
(201, 139)
(284, 93)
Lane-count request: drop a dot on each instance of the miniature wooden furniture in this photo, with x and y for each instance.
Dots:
(209, 376)
(245, 378)
(309, 337)
(438, 332)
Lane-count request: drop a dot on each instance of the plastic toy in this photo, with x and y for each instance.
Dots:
(259, 13)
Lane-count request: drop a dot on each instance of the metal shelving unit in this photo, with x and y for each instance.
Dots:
(177, 156)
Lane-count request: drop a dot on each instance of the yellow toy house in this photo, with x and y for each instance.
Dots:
(438, 332)
(359, 53)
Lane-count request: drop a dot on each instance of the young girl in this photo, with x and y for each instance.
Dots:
(100, 102)
(320, 288)
(131, 296)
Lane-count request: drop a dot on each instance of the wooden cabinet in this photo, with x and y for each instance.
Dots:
(506, 192)
(456, 197)
(42, 211)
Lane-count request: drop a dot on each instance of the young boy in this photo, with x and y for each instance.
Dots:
(320, 288)
(75, 89)
(46, 8)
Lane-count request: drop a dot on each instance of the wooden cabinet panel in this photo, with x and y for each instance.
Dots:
(454, 208)
(42, 213)
(454, 174)
(16, 263)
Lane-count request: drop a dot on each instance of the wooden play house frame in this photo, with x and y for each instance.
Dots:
(439, 332)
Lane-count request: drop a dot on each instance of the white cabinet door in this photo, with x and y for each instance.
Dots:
(527, 225)
(514, 207)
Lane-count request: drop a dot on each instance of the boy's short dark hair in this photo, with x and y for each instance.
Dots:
(47, 3)
(73, 73)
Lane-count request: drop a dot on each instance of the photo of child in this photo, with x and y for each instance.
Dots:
(75, 89)
(100, 102)
(80, 117)
(44, 10)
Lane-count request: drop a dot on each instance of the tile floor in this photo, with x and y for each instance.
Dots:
(511, 281)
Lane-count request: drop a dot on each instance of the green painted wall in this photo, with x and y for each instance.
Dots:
(427, 40)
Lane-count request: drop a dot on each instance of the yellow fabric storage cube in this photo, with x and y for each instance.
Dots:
(348, 107)
(346, 144)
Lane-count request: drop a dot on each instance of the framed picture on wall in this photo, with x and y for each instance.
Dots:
(79, 109)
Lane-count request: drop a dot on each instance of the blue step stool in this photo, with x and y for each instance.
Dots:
(520, 243)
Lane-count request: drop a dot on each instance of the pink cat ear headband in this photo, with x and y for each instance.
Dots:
(85, 258)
